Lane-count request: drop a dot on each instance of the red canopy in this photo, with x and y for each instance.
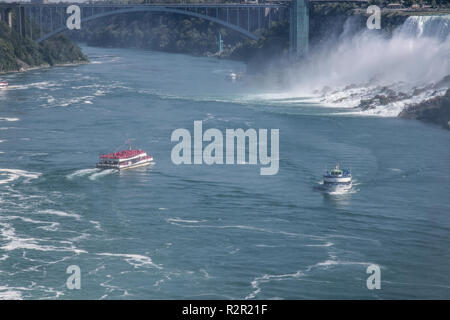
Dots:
(122, 154)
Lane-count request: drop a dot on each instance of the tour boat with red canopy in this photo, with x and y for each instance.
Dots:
(3, 84)
(125, 159)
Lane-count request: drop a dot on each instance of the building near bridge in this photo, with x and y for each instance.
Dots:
(394, 6)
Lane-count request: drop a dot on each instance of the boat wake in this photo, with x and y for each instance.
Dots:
(339, 190)
(92, 173)
(81, 173)
(102, 173)
(336, 190)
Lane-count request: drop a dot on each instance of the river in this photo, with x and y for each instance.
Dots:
(210, 231)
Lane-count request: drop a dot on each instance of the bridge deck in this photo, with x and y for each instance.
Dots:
(174, 5)
(268, 4)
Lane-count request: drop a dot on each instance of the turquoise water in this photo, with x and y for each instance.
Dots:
(199, 231)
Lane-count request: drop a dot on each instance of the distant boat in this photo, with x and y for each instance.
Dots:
(3, 84)
(234, 76)
(124, 159)
(337, 177)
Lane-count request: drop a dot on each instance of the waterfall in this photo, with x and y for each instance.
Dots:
(427, 26)
(376, 74)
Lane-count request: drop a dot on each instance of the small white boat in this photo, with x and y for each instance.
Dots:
(337, 177)
(125, 159)
(234, 76)
(3, 84)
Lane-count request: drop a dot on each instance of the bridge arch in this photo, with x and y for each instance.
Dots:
(156, 9)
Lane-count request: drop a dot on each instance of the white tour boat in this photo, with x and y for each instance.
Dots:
(125, 159)
(337, 177)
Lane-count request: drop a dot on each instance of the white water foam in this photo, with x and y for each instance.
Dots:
(60, 213)
(136, 260)
(68, 101)
(50, 225)
(183, 220)
(81, 173)
(258, 281)
(11, 293)
(330, 263)
(340, 190)
(197, 224)
(267, 278)
(9, 119)
(40, 85)
(102, 173)
(327, 244)
(15, 174)
(96, 224)
(14, 242)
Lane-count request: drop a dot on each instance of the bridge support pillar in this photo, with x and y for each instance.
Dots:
(20, 20)
(8, 17)
(299, 28)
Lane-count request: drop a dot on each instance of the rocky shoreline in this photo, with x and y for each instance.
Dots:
(435, 110)
(26, 67)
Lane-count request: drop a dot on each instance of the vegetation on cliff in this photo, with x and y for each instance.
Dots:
(161, 32)
(273, 46)
(19, 53)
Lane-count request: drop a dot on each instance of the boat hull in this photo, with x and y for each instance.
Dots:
(136, 165)
(337, 180)
(141, 163)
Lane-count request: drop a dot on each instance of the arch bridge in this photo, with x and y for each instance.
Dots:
(249, 19)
